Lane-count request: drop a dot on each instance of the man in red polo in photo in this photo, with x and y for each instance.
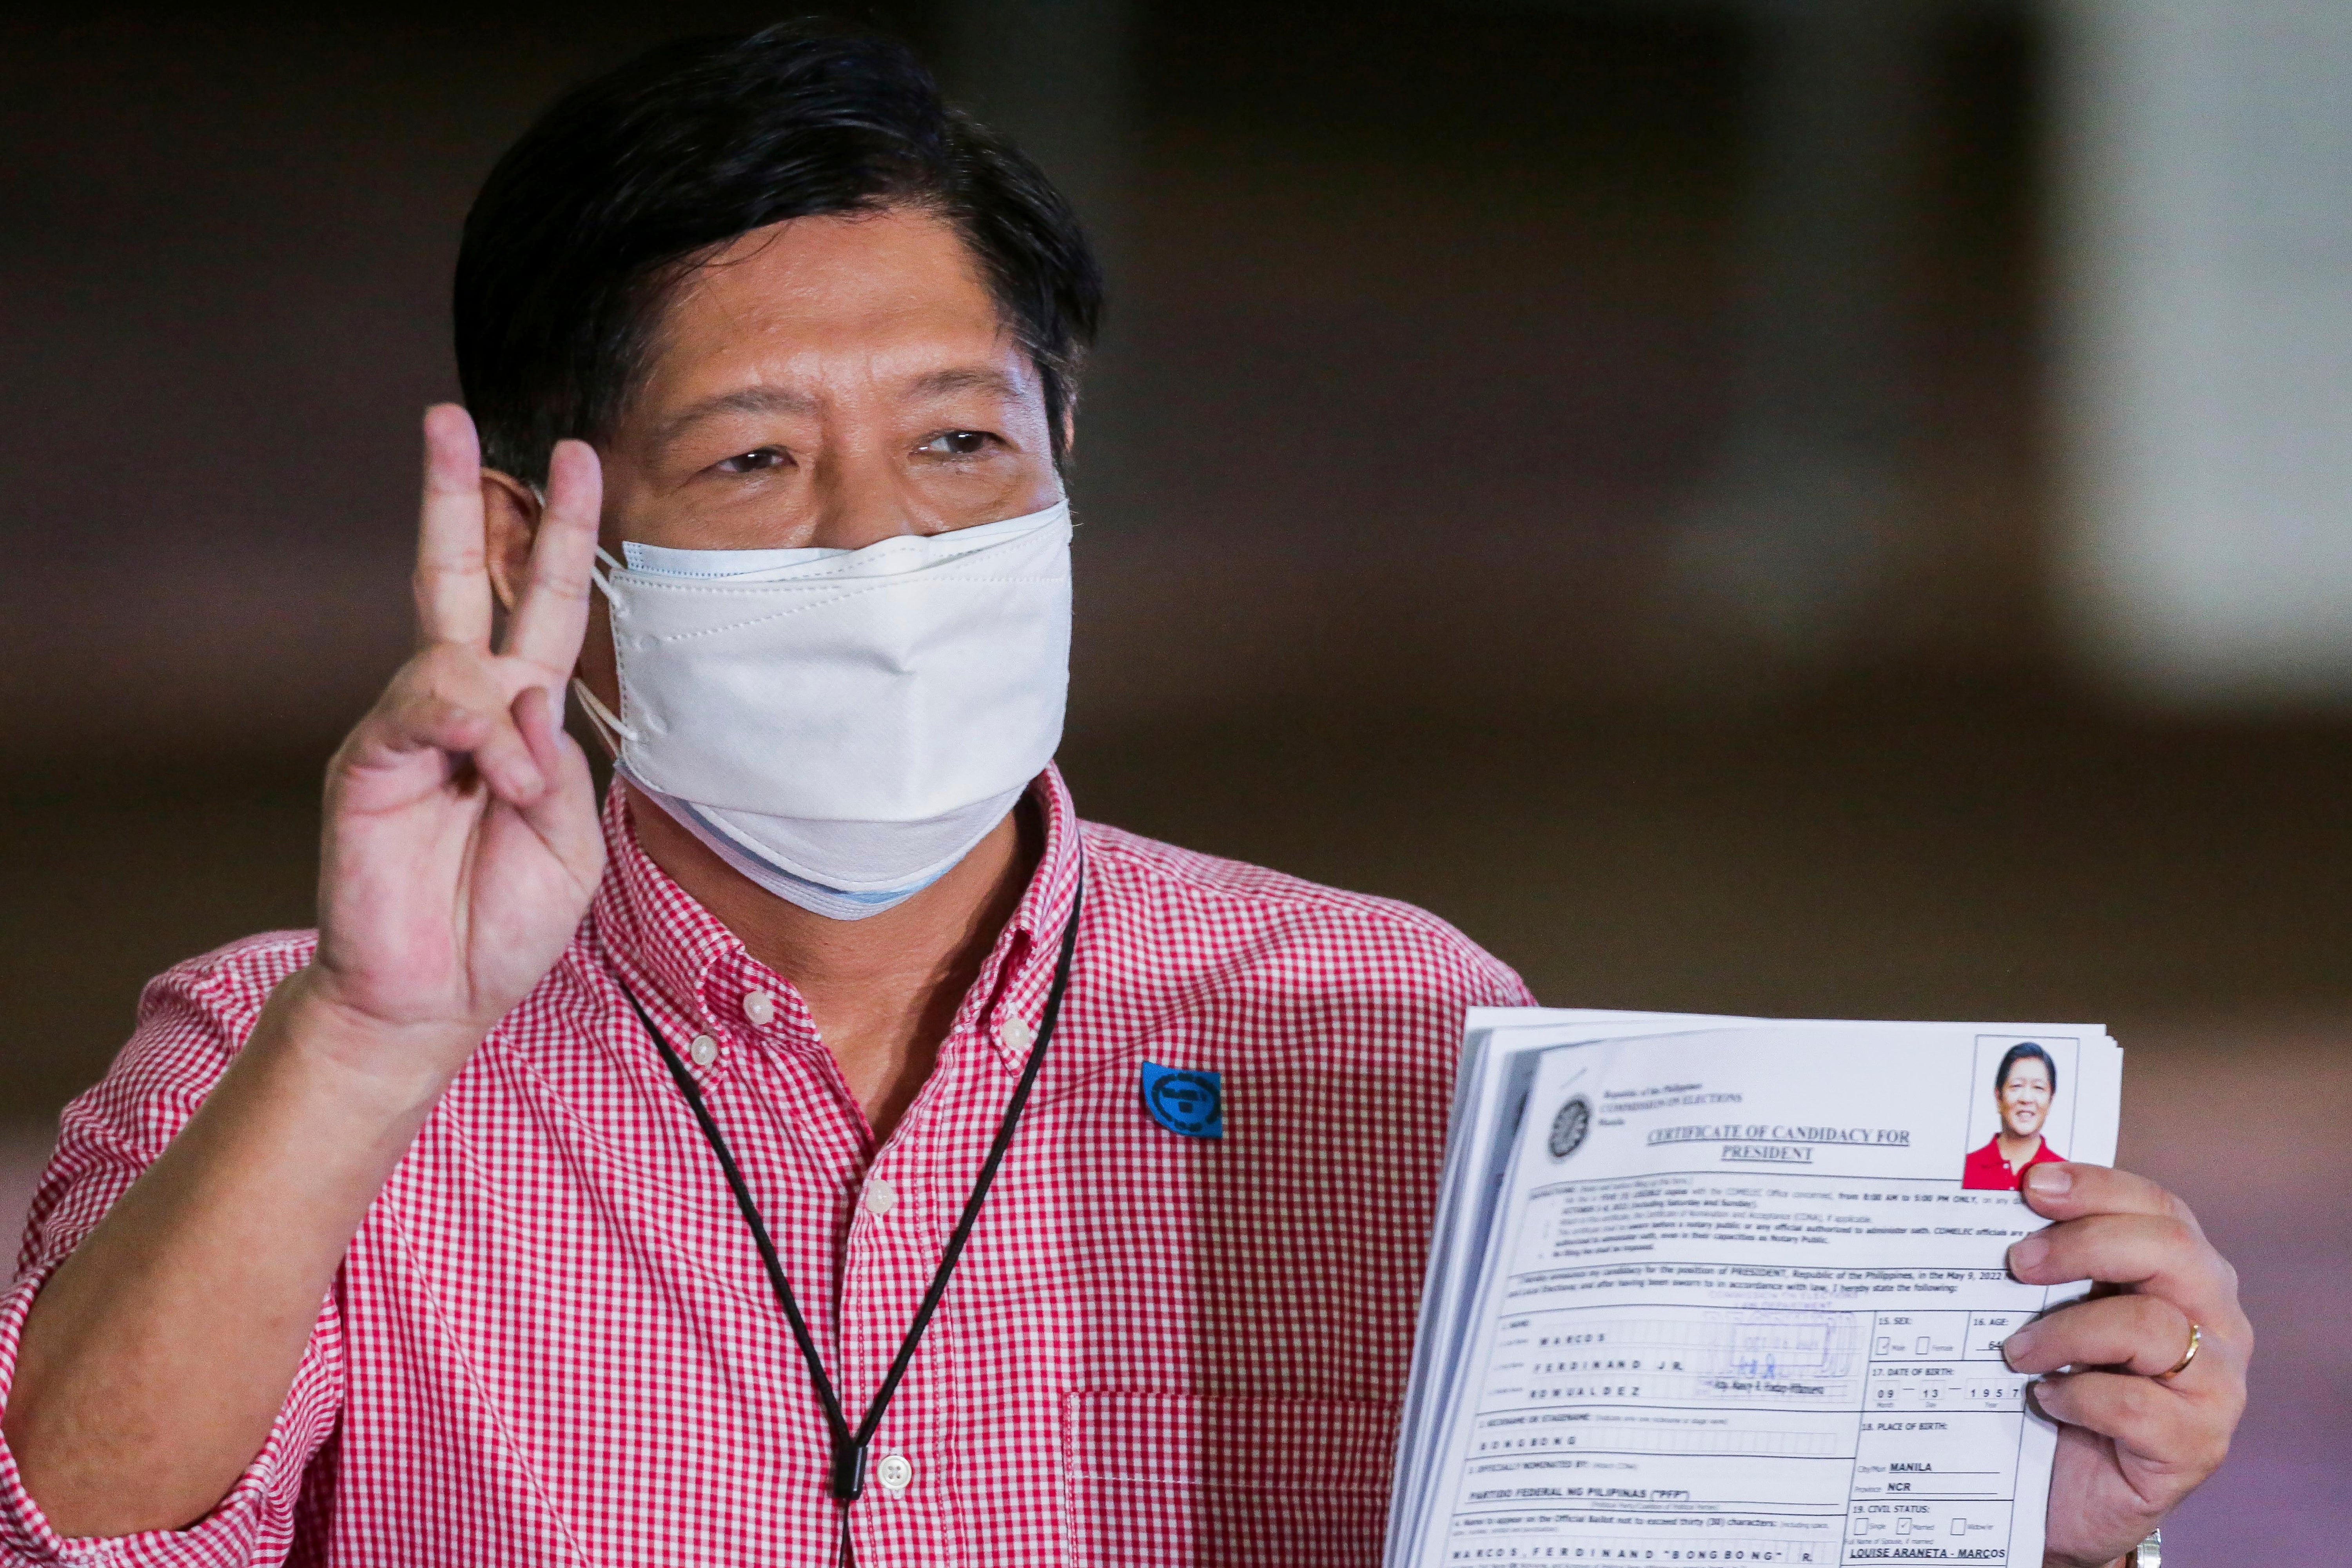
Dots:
(2023, 1087)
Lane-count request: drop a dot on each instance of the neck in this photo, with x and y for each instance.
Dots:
(2018, 1148)
(884, 990)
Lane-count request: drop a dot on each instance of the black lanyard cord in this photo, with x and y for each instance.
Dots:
(848, 1472)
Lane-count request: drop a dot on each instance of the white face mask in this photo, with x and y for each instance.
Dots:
(842, 726)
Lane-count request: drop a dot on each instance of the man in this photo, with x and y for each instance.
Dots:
(2024, 1085)
(788, 1164)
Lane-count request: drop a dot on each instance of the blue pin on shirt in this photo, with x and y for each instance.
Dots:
(1184, 1100)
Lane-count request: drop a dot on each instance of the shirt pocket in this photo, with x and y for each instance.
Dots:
(1180, 1478)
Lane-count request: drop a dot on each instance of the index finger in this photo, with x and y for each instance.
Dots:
(453, 582)
(2148, 1253)
(551, 615)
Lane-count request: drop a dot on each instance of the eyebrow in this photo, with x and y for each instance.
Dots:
(743, 400)
(963, 378)
(779, 400)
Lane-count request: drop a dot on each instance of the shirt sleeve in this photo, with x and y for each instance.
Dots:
(191, 1022)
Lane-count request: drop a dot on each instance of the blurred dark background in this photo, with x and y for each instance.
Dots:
(1598, 470)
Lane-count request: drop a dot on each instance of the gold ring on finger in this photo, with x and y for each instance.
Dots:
(2196, 1340)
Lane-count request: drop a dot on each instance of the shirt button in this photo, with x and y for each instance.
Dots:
(760, 1009)
(705, 1050)
(880, 1198)
(896, 1472)
(1016, 1033)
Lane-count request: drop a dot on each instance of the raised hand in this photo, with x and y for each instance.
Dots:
(461, 849)
(461, 843)
(2134, 1441)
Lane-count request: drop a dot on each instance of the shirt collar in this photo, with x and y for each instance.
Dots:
(662, 935)
(1014, 981)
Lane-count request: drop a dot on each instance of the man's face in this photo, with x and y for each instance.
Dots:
(2024, 1098)
(825, 382)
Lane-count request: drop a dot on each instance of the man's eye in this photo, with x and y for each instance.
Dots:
(957, 443)
(752, 462)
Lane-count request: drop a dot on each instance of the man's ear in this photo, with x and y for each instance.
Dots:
(511, 512)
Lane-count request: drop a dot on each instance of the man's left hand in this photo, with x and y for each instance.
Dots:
(2132, 1441)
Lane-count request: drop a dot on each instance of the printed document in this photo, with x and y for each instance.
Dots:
(1727, 1290)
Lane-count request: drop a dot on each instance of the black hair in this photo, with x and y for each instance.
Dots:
(627, 182)
(2018, 1053)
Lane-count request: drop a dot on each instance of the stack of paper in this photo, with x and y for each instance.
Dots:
(1733, 1290)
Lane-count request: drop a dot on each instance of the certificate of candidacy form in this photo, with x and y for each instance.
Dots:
(1716, 1291)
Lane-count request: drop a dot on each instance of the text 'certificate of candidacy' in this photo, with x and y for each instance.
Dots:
(1744, 1295)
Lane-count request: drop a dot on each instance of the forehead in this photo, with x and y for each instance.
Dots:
(2025, 1065)
(867, 293)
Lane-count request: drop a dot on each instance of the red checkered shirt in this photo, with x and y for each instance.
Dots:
(552, 1340)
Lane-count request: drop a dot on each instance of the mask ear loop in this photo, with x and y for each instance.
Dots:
(615, 734)
(603, 579)
(608, 723)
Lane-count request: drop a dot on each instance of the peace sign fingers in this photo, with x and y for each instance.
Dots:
(551, 615)
(453, 584)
